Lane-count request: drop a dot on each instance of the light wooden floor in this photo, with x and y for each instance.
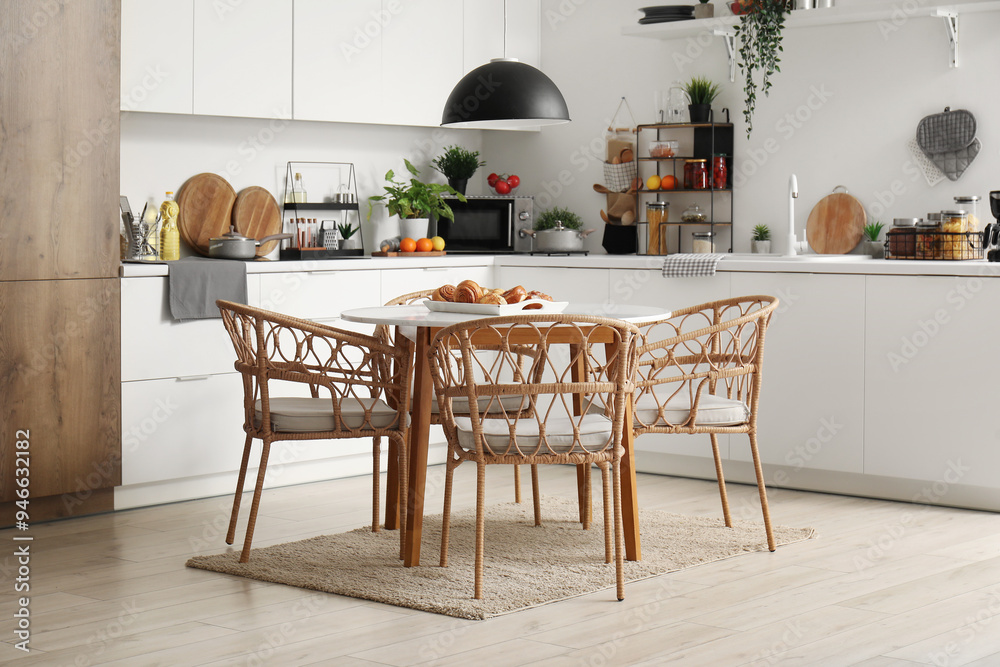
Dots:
(884, 584)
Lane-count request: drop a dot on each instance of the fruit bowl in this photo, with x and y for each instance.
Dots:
(503, 185)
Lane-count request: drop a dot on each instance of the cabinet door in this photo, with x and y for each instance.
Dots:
(421, 60)
(483, 27)
(243, 58)
(319, 295)
(931, 380)
(562, 284)
(338, 60)
(813, 393)
(157, 66)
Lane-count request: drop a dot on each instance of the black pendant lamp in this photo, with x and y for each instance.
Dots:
(505, 94)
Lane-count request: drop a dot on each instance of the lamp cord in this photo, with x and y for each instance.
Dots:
(505, 29)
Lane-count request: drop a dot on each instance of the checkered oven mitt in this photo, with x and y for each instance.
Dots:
(949, 140)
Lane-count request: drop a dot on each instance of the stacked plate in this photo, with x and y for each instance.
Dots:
(666, 14)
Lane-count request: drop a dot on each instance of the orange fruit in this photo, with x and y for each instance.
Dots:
(424, 245)
(407, 245)
(668, 183)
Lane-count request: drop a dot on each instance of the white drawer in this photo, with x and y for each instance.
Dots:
(319, 295)
(397, 282)
(562, 284)
(154, 345)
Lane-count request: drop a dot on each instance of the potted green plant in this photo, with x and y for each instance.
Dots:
(701, 93)
(458, 165)
(873, 246)
(705, 10)
(759, 32)
(761, 243)
(415, 202)
(347, 231)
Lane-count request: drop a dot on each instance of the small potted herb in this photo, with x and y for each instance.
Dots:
(705, 10)
(701, 93)
(873, 246)
(458, 165)
(761, 243)
(347, 231)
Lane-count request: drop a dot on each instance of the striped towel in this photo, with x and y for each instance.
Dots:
(690, 265)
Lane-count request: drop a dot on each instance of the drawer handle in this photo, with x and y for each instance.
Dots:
(192, 378)
(436, 268)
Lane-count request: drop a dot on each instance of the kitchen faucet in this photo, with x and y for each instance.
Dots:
(793, 193)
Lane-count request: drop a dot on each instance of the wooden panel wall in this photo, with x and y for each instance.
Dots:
(59, 139)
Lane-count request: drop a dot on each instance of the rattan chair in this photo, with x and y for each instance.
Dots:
(561, 417)
(349, 387)
(386, 334)
(699, 371)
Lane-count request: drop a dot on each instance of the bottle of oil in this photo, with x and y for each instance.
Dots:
(170, 237)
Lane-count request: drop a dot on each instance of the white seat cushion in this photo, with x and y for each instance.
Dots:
(508, 403)
(307, 415)
(712, 410)
(595, 431)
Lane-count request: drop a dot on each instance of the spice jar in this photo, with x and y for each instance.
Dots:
(688, 174)
(656, 217)
(699, 175)
(702, 242)
(720, 172)
(902, 238)
(970, 204)
(954, 225)
(928, 239)
(693, 213)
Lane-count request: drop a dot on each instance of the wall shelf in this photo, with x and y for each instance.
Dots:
(723, 26)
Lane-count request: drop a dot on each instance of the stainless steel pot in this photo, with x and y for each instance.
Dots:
(236, 246)
(558, 239)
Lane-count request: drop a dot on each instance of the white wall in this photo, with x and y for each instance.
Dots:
(160, 151)
(879, 85)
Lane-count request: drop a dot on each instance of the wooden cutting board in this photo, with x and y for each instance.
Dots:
(206, 202)
(836, 224)
(255, 215)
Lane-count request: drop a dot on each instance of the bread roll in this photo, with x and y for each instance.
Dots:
(535, 294)
(515, 295)
(468, 291)
(444, 293)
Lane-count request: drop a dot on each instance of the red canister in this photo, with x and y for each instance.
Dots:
(720, 172)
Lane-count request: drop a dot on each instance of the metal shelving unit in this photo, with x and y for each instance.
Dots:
(709, 139)
(322, 174)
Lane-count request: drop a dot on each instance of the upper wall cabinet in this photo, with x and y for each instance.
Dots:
(483, 28)
(243, 58)
(156, 61)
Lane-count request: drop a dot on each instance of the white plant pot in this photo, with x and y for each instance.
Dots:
(352, 243)
(761, 247)
(414, 228)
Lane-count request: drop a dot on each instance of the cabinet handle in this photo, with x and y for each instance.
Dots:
(437, 268)
(192, 378)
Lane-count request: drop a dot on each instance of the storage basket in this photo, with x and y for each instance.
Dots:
(938, 245)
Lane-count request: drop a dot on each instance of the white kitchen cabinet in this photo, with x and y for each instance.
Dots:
(319, 295)
(483, 27)
(421, 60)
(812, 399)
(562, 284)
(931, 380)
(338, 59)
(397, 282)
(243, 58)
(157, 67)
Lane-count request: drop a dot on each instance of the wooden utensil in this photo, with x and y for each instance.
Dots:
(255, 215)
(206, 203)
(836, 223)
(602, 189)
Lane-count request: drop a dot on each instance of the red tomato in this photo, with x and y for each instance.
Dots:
(492, 179)
(424, 245)
(513, 180)
(502, 188)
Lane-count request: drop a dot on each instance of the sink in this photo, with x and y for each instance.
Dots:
(808, 257)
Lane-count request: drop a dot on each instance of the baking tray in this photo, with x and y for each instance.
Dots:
(494, 309)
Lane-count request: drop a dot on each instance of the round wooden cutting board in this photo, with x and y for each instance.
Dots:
(206, 202)
(836, 224)
(256, 215)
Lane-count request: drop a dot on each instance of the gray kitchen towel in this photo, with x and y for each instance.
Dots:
(687, 265)
(196, 282)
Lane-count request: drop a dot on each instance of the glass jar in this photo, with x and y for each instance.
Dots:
(702, 242)
(928, 239)
(954, 225)
(902, 238)
(693, 214)
(656, 217)
(970, 204)
(720, 172)
(699, 175)
(688, 174)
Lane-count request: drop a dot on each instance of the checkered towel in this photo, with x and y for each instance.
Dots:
(690, 265)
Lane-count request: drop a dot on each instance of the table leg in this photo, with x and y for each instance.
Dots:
(420, 413)
(392, 488)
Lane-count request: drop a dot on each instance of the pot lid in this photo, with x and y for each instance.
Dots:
(558, 228)
(233, 235)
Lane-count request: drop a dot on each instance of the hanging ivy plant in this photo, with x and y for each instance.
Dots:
(760, 37)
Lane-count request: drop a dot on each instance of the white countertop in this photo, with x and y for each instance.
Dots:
(742, 263)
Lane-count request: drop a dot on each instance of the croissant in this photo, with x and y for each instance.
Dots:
(492, 298)
(515, 295)
(535, 294)
(444, 293)
(468, 291)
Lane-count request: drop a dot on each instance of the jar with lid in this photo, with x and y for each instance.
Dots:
(720, 172)
(902, 238)
(656, 218)
(689, 174)
(954, 225)
(970, 204)
(928, 239)
(693, 214)
(699, 175)
(702, 242)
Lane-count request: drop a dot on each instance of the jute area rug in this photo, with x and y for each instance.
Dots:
(526, 566)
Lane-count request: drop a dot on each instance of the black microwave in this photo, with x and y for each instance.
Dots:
(487, 225)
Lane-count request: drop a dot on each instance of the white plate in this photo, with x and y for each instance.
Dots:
(494, 309)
